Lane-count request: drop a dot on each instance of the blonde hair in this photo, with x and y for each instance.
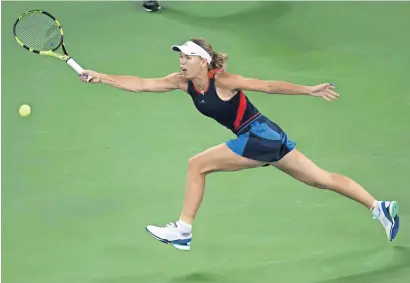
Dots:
(219, 59)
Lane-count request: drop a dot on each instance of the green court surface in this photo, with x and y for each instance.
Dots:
(92, 165)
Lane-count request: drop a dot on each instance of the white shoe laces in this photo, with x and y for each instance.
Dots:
(171, 225)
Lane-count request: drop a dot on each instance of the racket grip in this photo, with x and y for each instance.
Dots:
(75, 65)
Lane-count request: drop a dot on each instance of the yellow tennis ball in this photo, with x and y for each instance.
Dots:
(24, 110)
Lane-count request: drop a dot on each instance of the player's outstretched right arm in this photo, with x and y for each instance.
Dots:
(133, 83)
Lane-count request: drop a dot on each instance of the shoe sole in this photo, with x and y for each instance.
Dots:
(177, 246)
(152, 10)
(394, 211)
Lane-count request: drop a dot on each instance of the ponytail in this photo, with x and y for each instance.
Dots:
(219, 60)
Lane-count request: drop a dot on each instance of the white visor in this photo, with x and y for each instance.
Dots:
(191, 48)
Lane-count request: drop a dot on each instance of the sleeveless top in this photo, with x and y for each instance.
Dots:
(233, 113)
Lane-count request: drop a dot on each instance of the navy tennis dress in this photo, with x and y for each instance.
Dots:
(258, 138)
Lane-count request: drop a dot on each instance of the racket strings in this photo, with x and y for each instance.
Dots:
(38, 31)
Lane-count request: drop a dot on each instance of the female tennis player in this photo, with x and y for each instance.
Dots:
(258, 142)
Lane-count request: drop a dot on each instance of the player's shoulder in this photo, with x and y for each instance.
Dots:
(176, 76)
(222, 75)
(227, 79)
(178, 79)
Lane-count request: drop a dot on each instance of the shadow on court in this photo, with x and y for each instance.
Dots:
(254, 27)
(391, 271)
(194, 277)
(254, 16)
(203, 277)
(390, 264)
(309, 268)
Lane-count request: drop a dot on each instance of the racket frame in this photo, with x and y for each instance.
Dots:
(68, 59)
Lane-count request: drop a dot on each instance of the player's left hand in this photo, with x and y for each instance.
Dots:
(325, 91)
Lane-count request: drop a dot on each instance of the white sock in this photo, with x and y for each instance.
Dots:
(184, 227)
(375, 209)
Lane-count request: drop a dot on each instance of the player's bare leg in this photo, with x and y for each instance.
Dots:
(215, 159)
(303, 169)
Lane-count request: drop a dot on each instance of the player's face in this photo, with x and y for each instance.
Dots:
(191, 66)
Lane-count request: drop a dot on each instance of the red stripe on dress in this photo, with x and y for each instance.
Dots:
(241, 110)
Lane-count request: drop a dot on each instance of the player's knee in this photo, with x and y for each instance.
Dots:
(192, 163)
(197, 165)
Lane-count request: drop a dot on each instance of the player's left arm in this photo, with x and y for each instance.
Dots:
(238, 82)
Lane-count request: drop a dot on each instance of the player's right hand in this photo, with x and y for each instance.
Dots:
(90, 76)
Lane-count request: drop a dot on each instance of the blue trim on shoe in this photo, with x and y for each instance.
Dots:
(156, 237)
(181, 242)
(386, 212)
(395, 228)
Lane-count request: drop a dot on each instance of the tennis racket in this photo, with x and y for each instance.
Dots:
(39, 32)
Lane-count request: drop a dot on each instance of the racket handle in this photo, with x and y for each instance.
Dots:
(75, 65)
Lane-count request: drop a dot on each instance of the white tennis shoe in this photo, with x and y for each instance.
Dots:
(171, 234)
(387, 214)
